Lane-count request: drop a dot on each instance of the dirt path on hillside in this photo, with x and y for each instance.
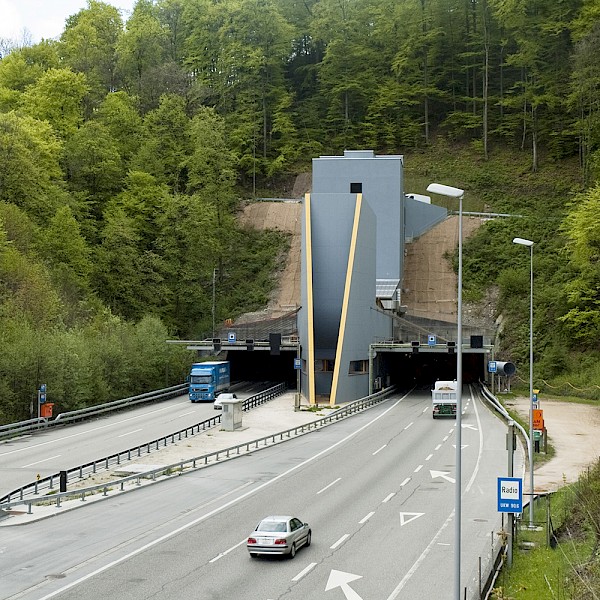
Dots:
(573, 431)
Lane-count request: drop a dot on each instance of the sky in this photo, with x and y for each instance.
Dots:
(44, 18)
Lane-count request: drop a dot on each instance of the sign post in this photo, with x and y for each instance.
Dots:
(41, 398)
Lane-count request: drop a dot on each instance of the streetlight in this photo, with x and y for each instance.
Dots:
(529, 243)
(215, 270)
(452, 192)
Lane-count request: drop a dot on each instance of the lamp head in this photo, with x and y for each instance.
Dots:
(522, 242)
(445, 190)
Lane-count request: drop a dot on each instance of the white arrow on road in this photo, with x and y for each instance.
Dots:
(406, 517)
(341, 579)
(468, 426)
(443, 475)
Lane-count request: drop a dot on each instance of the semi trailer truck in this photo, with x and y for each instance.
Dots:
(207, 379)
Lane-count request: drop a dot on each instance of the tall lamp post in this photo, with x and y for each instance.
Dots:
(529, 243)
(215, 271)
(452, 192)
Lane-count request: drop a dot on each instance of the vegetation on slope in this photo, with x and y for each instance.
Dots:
(127, 148)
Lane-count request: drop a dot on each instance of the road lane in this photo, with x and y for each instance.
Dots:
(62, 448)
(380, 516)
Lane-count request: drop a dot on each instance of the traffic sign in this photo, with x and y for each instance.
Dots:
(297, 363)
(42, 398)
(431, 340)
(510, 494)
(538, 418)
(231, 337)
(492, 366)
(43, 387)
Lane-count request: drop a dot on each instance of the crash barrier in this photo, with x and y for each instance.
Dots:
(499, 549)
(18, 498)
(132, 453)
(13, 429)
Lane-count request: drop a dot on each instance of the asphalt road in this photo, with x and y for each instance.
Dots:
(376, 489)
(62, 448)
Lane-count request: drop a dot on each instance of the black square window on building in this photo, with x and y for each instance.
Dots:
(356, 188)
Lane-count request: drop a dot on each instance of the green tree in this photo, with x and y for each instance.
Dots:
(57, 97)
(118, 113)
(93, 164)
(88, 45)
(141, 47)
(31, 175)
(67, 255)
(582, 227)
(167, 143)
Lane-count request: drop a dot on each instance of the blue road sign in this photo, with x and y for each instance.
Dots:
(297, 363)
(43, 387)
(42, 398)
(492, 366)
(431, 340)
(510, 494)
(231, 337)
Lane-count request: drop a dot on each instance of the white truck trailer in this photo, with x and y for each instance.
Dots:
(444, 399)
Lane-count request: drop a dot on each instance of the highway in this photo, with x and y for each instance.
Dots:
(377, 490)
(62, 448)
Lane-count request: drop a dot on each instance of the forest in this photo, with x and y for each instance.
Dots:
(128, 146)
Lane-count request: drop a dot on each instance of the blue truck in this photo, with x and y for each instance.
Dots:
(207, 379)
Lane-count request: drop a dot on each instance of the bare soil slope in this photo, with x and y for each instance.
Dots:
(284, 216)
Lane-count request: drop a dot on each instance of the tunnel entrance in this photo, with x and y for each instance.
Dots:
(422, 369)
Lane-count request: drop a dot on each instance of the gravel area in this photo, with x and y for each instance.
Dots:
(573, 431)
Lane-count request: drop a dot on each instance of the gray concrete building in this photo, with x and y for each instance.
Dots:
(353, 234)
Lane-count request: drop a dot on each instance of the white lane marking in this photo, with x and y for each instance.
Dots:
(340, 541)
(452, 430)
(445, 438)
(191, 412)
(438, 446)
(226, 552)
(304, 572)
(426, 409)
(210, 513)
(40, 461)
(429, 457)
(419, 560)
(74, 435)
(407, 517)
(328, 485)
(409, 425)
(379, 449)
(130, 432)
(405, 482)
(480, 453)
(366, 518)
(388, 497)
(418, 468)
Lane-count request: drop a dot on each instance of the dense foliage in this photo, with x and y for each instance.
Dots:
(127, 148)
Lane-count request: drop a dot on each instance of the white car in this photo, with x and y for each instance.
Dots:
(223, 396)
(279, 535)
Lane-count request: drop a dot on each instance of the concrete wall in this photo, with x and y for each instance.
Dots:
(421, 217)
(382, 182)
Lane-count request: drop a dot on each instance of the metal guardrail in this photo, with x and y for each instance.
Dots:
(498, 549)
(12, 429)
(196, 462)
(137, 451)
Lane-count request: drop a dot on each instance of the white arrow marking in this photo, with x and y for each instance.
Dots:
(341, 580)
(462, 446)
(443, 475)
(406, 517)
(469, 426)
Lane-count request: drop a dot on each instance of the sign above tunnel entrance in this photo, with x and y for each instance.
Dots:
(431, 340)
